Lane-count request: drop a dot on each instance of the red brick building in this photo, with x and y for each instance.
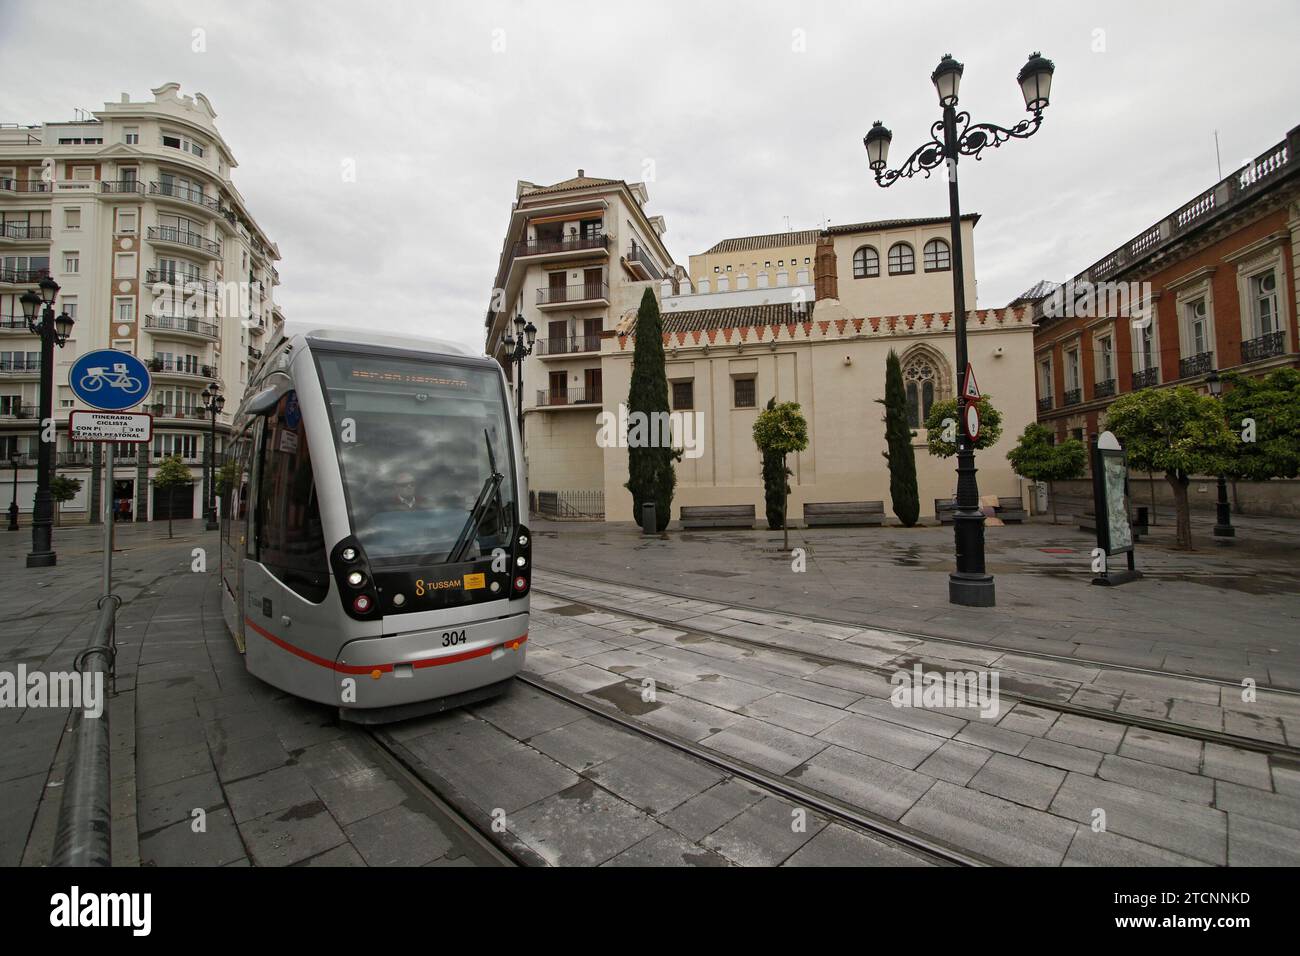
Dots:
(1217, 279)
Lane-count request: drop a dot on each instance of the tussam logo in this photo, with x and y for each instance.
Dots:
(684, 430)
(916, 688)
(61, 689)
(75, 909)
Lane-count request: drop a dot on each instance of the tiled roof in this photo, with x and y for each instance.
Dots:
(1039, 290)
(895, 224)
(805, 237)
(577, 182)
(702, 320)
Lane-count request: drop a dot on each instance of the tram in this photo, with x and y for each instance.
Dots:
(373, 551)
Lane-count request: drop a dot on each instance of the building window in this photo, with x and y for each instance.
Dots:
(125, 221)
(1263, 303)
(684, 395)
(125, 310)
(1105, 358)
(1072, 370)
(866, 263)
(937, 256)
(72, 218)
(1197, 328)
(1045, 380)
(131, 136)
(72, 262)
(767, 264)
(920, 381)
(70, 306)
(124, 265)
(717, 269)
(902, 260)
(743, 389)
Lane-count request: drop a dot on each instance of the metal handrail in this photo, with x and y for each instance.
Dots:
(85, 827)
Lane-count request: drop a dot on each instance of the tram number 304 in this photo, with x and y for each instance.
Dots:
(450, 638)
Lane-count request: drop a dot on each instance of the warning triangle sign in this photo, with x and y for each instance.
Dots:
(969, 388)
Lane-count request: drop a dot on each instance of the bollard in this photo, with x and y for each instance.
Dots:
(649, 522)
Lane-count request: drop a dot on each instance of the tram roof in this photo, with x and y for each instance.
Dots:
(353, 336)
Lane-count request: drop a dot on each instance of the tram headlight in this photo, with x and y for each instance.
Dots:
(361, 603)
(521, 582)
(523, 541)
(348, 554)
(521, 561)
(356, 578)
(399, 599)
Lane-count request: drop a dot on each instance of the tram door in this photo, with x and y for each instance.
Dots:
(234, 532)
(292, 621)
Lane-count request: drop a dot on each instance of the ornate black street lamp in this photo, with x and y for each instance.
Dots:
(952, 137)
(213, 403)
(1223, 514)
(519, 345)
(52, 331)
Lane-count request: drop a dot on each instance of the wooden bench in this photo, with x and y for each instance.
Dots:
(1011, 509)
(717, 516)
(943, 509)
(844, 512)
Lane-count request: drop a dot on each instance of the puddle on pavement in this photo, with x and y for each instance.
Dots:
(718, 574)
(567, 610)
(626, 696)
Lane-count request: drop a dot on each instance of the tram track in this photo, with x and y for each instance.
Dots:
(1290, 753)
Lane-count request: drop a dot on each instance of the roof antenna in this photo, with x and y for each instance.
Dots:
(1217, 160)
(787, 224)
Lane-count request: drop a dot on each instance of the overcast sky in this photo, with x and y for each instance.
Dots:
(745, 113)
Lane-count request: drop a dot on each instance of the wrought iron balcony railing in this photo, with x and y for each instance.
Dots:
(24, 276)
(187, 194)
(174, 323)
(130, 187)
(537, 247)
(550, 397)
(1045, 404)
(19, 186)
(568, 345)
(1193, 365)
(1146, 378)
(1264, 346)
(18, 411)
(1071, 396)
(638, 255)
(1104, 389)
(182, 280)
(586, 292)
(22, 230)
(184, 237)
(20, 365)
(171, 366)
(9, 323)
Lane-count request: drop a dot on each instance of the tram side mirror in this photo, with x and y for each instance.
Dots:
(267, 400)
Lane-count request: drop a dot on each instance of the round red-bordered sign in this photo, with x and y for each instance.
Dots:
(971, 422)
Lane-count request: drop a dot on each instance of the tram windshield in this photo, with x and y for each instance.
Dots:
(419, 443)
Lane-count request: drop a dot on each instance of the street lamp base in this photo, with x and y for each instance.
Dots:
(211, 526)
(971, 590)
(42, 559)
(1224, 531)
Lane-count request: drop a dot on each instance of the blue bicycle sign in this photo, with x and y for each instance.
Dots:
(109, 380)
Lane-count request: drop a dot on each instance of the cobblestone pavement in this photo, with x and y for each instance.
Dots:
(1024, 786)
(1229, 611)
(279, 781)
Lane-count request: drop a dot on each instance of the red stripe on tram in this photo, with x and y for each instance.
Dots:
(386, 668)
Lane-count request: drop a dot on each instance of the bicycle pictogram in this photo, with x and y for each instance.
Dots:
(118, 378)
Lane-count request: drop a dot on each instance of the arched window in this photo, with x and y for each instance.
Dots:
(902, 260)
(937, 256)
(921, 381)
(866, 263)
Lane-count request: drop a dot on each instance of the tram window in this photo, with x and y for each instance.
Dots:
(290, 538)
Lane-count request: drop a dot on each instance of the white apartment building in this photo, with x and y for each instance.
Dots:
(577, 257)
(133, 212)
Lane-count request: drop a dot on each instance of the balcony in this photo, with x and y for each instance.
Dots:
(21, 366)
(572, 345)
(589, 293)
(561, 245)
(1265, 346)
(1071, 396)
(1104, 389)
(18, 412)
(121, 187)
(188, 284)
(641, 262)
(556, 398)
(72, 459)
(22, 232)
(1199, 364)
(1146, 378)
(24, 276)
(186, 195)
(18, 186)
(163, 410)
(170, 367)
(176, 325)
(1045, 404)
(182, 237)
(254, 355)
(14, 323)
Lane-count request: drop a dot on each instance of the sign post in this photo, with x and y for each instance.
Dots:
(112, 382)
(1110, 503)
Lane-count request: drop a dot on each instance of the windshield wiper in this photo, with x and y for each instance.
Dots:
(491, 490)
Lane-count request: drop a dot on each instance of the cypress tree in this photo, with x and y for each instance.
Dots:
(775, 484)
(650, 468)
(898, 437)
